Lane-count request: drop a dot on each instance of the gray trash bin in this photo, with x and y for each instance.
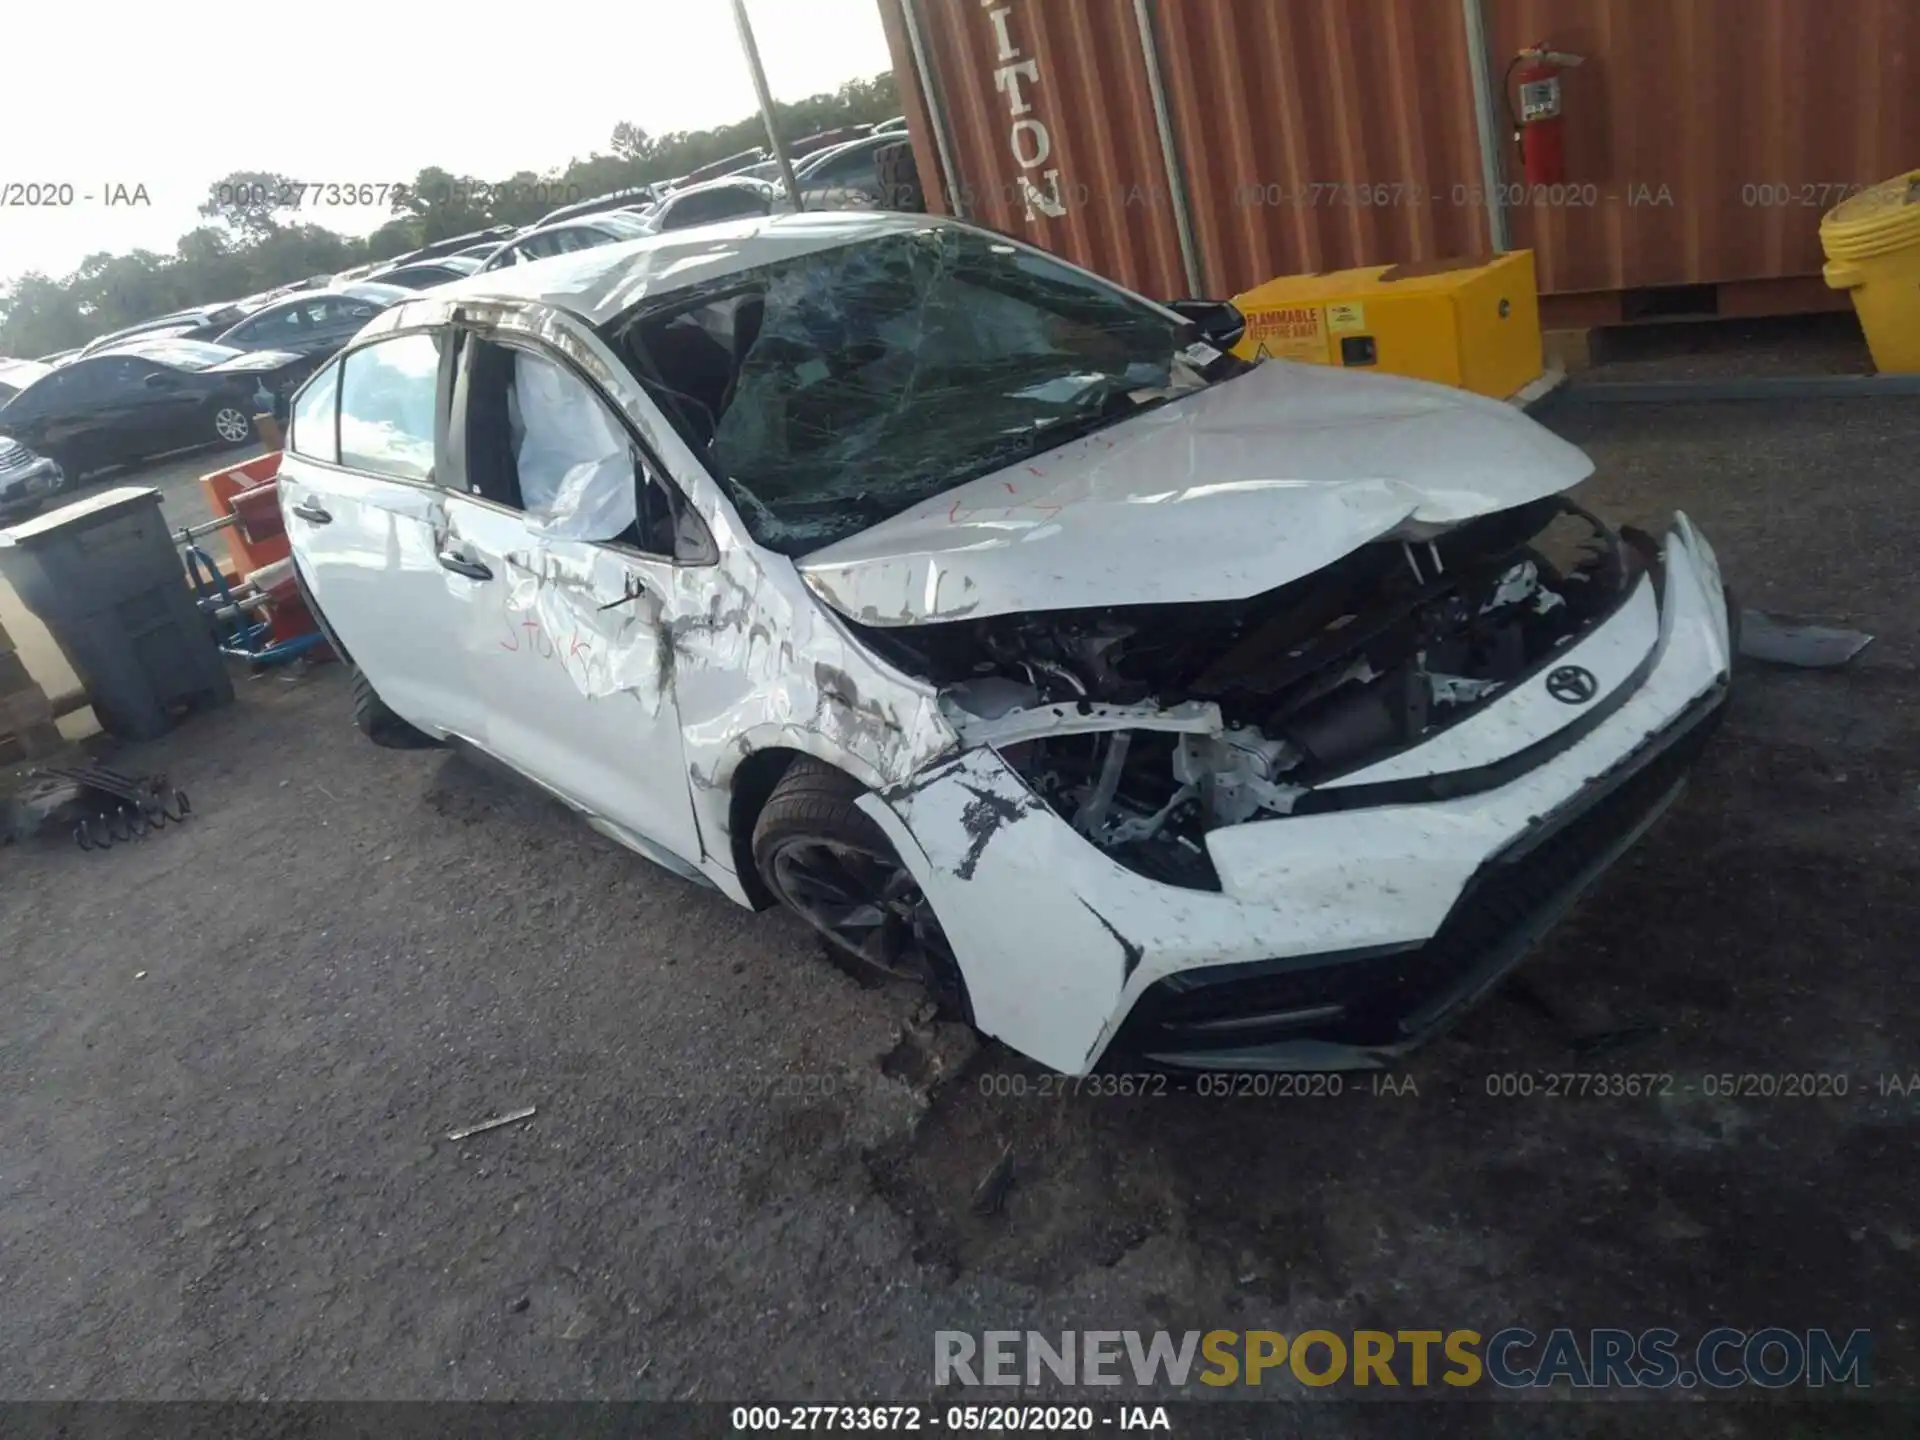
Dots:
(104, 577)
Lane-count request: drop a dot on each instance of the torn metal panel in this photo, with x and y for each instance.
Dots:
(1084, 717)
(1792, 640)
(1057, 940)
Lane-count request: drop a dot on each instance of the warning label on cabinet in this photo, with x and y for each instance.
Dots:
(1290, 332)
(1348, 317)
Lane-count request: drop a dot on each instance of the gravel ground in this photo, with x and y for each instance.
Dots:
(235, 1052)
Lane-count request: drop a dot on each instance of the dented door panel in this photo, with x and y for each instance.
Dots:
(567, 643)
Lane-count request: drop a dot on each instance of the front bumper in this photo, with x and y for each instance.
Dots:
(22, 492)
(1340, 939)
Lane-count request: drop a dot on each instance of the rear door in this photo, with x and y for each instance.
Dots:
(359, 492)
(589, 559)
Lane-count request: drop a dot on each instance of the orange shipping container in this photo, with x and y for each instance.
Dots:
(1208, 145)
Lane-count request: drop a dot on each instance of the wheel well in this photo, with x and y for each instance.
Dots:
(753, 785)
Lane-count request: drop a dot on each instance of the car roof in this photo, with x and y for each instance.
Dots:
(608, 280)
(808, 163)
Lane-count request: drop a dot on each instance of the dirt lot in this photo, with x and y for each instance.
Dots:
(234, 1051)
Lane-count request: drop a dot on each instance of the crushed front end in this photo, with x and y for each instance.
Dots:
(1306, 829)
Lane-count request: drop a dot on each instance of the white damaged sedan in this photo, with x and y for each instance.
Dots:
(1142, 704)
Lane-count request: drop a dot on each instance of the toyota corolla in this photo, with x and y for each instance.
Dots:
(1133, 700)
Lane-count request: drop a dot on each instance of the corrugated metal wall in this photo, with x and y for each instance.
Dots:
(1756, 115)
(1075, 84)
(1322, 134)
(1705, 138)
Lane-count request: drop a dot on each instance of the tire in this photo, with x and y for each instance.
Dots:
(380, 725)
(809, 826)
(231, 426)
(899, 178)
(71, 474)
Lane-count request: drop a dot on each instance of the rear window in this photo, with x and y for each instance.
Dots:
(389, 398)
(312, 430)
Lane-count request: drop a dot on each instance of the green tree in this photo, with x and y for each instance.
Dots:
(248, 201)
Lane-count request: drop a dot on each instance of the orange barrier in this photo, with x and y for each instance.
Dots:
(252, 544)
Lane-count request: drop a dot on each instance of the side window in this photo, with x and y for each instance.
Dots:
(540, 246)
(312, 431)
(83, 382)
(117, 375)
(389, 396)
(542, 440)
(277, 325)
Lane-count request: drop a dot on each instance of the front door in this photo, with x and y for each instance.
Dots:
(570, 636)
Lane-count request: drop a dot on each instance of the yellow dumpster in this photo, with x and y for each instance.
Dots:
(1873, 250)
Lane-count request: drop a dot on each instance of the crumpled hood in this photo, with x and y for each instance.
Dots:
(1230, 491)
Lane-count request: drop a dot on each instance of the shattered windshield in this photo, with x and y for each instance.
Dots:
(830, 392)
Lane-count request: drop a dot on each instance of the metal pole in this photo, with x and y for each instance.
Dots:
(1487, 120)
(1169, 153)
(752, 52)
(936, 116)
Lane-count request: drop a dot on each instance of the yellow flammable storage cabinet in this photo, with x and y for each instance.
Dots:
(1472, 324)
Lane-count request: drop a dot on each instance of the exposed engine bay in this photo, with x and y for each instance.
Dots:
(1147, 727)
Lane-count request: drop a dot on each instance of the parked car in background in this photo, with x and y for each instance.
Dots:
(896, 126)
(472, 242)
(27, 481)
(809, 145)
(846, 177)
(312, 282)
(146, 397)
(634, 197)
(58, 357)
(314, 323)
(584, 234)
(202, 322)
(425, 274)
(713, 170)
(1135, 700)
(737, 197)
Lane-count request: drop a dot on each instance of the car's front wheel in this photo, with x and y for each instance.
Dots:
(231, 424)
(833, 867)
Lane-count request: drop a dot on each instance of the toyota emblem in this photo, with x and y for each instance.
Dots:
(1572, 685)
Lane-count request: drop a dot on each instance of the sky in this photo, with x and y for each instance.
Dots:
(363, 92)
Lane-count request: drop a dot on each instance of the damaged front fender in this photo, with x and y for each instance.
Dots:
(1044, 972)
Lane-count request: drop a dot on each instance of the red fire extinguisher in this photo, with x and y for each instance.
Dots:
(1539, 129)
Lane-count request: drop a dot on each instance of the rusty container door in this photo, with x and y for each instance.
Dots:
(1705, 138)
(1323, 134)
(1051, 127)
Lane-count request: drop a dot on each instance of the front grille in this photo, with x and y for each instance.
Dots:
(1390, 998)
(16, 457)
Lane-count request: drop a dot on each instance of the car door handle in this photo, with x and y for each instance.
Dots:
(313, 510)
(461, 565)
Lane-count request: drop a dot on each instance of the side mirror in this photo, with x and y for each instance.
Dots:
(1218, 322)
